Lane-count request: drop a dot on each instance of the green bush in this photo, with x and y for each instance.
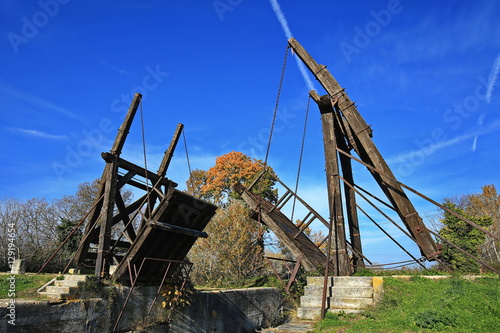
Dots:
(434, 320)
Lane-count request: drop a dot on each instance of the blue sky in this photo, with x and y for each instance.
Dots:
(423, 74)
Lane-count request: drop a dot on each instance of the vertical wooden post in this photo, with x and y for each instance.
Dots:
(106, 221)
(350, 196)
(337, 234)
(162, 171)
(125, 127)
(169, 153)
(107, 187)
(369, 153)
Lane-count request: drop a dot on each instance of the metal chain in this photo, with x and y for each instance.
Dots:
(145, 159)
(188, 163)
(276, 107)
(300, 157)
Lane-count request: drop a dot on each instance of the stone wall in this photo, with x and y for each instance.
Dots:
(237, 310)
(240, 310)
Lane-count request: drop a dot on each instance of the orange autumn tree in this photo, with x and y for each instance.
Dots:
(234, 250)
(216, 183)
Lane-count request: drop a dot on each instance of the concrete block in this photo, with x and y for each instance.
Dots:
(311, 302)
(353, 281)
(316, 291)
(366, 292)
(72, 277)
(58, 289)
(309, 313)
(350, 303)
(318, 280)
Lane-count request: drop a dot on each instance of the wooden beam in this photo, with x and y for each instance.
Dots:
(327, 106)
(127, 224)
(169, 153)
(337, 232)
(178, 230)
(105, 222)
(369, 153)
(91, 222)
(129, 166)
(129, 209)
(155, 191)
(125, 127)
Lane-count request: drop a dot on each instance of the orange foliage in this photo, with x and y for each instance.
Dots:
(216, 183)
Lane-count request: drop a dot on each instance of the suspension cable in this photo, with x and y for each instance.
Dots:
(145, 158)
(300, 158)
(276, 107)
(188, 163)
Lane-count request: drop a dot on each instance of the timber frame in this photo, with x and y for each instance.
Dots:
(344, 130)
(150, 235)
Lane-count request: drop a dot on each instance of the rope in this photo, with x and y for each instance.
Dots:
(300, 158)
(188, 162)
(145, 159)
(276, 107)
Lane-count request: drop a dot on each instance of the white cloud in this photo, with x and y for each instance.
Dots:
(39, 134)
(492, 79)
(33, 101)
(429, 150)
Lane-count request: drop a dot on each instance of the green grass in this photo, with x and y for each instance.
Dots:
(424, 305)
(26, 286)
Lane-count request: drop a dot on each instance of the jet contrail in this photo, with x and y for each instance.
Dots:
(284, 24)
(479, 123)
(492, 79)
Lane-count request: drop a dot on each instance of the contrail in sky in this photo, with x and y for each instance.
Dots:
(427, 151)
(284, 24)
(479, 123)
(493, 78)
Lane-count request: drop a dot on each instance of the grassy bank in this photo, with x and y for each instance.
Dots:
(424, 305)
(25, 285)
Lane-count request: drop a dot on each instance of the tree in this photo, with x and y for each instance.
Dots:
(464, 236)
(485, 204)
(235, 247)
(41, 226)
(232, 252)
(216, 183)
(34, 222)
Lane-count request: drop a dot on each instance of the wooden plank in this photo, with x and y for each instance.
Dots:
(176, 229)
(187, 216)
(91, 221)
(285, 230)
(169, 153)
(155, 192)
(102, 262)
(127, 224)
(125, 127)
(129, 166)
(337, 232)
(129, 209)
(326, 107)
(368, 152)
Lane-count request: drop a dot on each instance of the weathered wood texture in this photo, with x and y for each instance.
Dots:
(337, 230)
(359, 137)
(331, 155)
(296, 241)
(177, 221)
(169, 221)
